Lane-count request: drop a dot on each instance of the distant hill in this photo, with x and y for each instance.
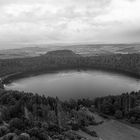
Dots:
(62, 53)
(81, 49)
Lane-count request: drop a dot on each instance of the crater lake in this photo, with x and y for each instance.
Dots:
(76, 84)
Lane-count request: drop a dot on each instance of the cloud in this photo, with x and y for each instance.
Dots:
(69, 20)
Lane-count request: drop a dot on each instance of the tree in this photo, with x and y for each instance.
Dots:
(34, 138)
(118, 114)
(107, 107)
(16, 123)
(23, 136)
(9, 136)
(3, 130)
(41, 134)
(132, 119)
(135, 112)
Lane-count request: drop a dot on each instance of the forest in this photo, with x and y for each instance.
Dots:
(28, 116)
(66, 59)
(125, 106)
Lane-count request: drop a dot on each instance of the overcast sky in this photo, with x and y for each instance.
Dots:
(66, 21)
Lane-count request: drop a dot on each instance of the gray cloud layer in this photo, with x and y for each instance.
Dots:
(35, 21)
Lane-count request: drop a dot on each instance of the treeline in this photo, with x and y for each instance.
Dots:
(27, 116)
(128, 63)
(120, 62)
(121, 106)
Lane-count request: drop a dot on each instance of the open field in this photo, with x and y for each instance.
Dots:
(115, 130)
(111, 130)
(84, 49)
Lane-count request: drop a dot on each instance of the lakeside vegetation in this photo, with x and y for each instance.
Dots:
(66, 59)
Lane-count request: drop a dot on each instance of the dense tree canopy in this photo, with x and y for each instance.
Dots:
(125, 105)
(58, 60)
(31, 116)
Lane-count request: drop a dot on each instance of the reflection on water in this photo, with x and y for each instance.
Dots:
(77, 84)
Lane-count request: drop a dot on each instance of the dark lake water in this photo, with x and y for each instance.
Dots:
(77, 84)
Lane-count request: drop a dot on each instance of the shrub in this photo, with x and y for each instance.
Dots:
(92, 133)
(38, 133)
(132, 120)
(3, 130)
(34, 138)
(118, 114)
(75, 126)
(135, 113)
(24, 136)
(16, 123)
(9, 136)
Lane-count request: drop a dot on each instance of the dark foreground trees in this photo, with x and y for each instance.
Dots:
(34, 117)
(27, 116)
(121, 106)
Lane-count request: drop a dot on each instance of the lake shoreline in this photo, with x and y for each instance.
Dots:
(19, 75)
